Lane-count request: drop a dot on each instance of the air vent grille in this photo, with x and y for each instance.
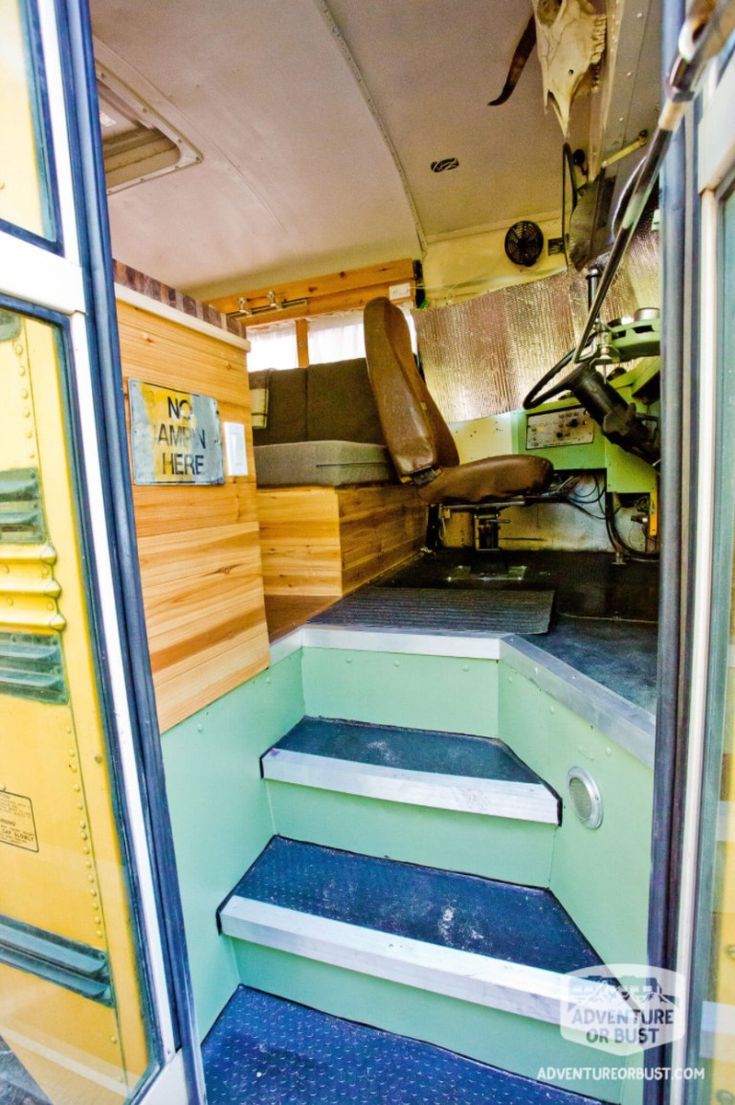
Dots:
(21, 516)
(32, 666)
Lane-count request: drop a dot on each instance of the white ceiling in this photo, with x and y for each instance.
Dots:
(297, 177)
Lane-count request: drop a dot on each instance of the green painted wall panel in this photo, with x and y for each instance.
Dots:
(220, 812)
(600, 876)
(505, 1040)
(421, 692)
(495, 847)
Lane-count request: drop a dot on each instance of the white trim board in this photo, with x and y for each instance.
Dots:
(480, 979)
(468, 794)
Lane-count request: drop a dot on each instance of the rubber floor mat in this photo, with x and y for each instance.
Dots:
(418, 609)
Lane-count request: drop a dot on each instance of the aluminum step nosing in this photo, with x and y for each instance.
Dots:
(479, 979)
(464, 793)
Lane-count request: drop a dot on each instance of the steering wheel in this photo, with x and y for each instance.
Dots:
(537, 395)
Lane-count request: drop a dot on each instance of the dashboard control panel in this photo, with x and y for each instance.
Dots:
(570, 426)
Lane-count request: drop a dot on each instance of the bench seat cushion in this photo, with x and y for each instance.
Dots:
(332, 463)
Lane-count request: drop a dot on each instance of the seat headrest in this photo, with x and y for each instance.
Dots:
(417, 436)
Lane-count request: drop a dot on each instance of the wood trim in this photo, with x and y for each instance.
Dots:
(302, 342)
(330, 540)
(340, 291)
(199, 547)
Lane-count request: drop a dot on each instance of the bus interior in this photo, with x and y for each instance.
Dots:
(394, 403)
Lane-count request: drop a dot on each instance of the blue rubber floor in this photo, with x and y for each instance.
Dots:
(519, 924)
(408, 749)
(265, 1050)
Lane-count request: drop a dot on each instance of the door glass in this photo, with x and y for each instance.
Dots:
(26, 201)
(73, 998)
(714, 971)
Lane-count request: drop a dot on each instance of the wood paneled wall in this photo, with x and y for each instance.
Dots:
(199, 548)
(329, 540)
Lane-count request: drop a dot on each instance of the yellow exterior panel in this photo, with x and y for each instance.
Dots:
(71, 879)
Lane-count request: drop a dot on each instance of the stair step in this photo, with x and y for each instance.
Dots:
(479, 940)
(266, 1050)
(448, 771)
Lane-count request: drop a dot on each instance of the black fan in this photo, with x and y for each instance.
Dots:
(523, 243)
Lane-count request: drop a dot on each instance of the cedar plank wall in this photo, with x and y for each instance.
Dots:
(327, 540)
(199, 546)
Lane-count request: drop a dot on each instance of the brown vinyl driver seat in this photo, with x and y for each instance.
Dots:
(418, 438)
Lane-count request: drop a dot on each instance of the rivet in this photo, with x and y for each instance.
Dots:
(72, 752)
(90, 878)
(27, 412)
(730, 951)
(200, 728)
(49, 606)
(93, 892)
(465, 667)
(88, 862)
(552, 709)
(99, 932)
(113, 1039)
(86, 849)
(21, 371)
(18, 347)
(29, 433)
(97, 758)
(77, 787)
(267, 678)
(82, 824)
(348, 659)
(80, 806)
(396, 663)
(24, 393)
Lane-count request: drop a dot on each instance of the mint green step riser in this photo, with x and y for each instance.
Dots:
(505, 1040)
(498, 848)
(488, 698)
(417, 692)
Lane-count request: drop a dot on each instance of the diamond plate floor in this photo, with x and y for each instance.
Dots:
(408, 749)
(519, 924)
(265, 1050)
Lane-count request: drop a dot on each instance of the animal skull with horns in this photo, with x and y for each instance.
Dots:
(571, 41)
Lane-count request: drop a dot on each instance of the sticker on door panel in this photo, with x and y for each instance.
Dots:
(17, 824)
(176, 436)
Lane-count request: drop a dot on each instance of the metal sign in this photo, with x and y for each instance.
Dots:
(176, 436)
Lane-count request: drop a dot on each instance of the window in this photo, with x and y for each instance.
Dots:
(341, 337)
(25, 195)
(272, 347)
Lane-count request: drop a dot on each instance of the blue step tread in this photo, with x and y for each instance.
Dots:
(444, 771)
(265, 1050)
(408, 749)
(519, 924)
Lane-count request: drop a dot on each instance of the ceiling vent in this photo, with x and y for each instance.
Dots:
(137, 142)
(444, 165)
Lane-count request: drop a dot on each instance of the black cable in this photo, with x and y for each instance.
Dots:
(619, 542)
